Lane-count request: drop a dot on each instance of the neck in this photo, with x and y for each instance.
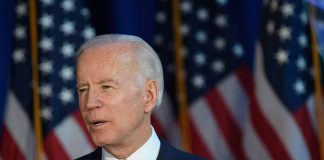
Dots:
(132, 143)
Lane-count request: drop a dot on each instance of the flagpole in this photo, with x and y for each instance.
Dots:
(180, 77)
(35, 78)
(318, 86)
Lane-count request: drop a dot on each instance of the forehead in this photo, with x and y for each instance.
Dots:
(106, 60)
(116, 50)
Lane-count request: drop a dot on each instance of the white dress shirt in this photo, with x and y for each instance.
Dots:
(149, 150)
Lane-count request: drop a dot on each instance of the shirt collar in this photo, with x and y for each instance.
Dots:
(152, 146)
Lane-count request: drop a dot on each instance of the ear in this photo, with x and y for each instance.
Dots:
(151, 90)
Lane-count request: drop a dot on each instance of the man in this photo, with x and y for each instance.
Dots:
(120, 81)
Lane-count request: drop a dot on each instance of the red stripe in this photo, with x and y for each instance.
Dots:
(8, 147)
(303, 120)
(262, 126)
(198, 146)
(77, 116)
(54, 149)
(230, 129)
(158, 127)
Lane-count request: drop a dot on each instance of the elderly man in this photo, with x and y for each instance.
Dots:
(120, 81)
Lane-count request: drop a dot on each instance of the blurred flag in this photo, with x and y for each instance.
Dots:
(318, 20)
(62, 27)
(6, 29)
(216, 77)
(282, 121)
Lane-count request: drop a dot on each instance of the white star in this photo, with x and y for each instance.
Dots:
(20, 32)
(299, 87)
(66, 73)
(217, 66)
(85, 12)
(202, 14)
(302, 40)
(201, 36)
(67, 27)
(158, 39)
(273, 5)
(270, 27)
(184, 29)
(47, 2)
(200, 59)
(18, 55)
(21, 9)
(46, 44)
(46, 21)
(222, 2)
(282, 56)
(304, 18)
(221, 21)
(67, 50)
(287, 10)
(46, 67)
(186, 7)
(88, 33)
(301, 64)
(46, 113)
(46, 90)
(68, 5)
(198, 81)
(66, 96)
(219, 44)
(160, 17)
(238, 50)
(284, 33)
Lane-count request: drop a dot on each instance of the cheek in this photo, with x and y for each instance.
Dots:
(82, 104)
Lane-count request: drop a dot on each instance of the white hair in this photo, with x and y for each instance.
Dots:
(150, 67)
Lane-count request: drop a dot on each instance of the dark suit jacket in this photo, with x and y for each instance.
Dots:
(167, 152)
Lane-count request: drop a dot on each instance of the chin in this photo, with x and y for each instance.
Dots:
(102, 140)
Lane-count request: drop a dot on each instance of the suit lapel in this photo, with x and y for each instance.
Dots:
(164, 153)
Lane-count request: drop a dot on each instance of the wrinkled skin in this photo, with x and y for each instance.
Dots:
(115, 109)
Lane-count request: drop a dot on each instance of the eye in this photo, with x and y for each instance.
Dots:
(82, 89)
(105, 87)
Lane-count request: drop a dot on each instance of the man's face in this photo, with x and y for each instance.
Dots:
(111, 102)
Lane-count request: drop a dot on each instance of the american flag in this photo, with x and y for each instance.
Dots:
(233, 114)
(215, 77)
(62, 27)
(284, 85)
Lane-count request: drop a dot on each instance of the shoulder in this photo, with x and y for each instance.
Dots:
(95, 155)
(168, 152)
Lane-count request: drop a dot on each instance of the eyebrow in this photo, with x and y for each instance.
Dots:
(105, 80)
(81, 85)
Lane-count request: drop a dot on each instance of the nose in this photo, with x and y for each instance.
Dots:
(93, 100)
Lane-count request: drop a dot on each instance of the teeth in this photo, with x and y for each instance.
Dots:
(97, 123)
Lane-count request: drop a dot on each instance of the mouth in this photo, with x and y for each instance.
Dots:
(97, 123)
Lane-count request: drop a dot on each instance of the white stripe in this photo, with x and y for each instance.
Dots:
(312, 112)
(234, 97)
(253, 146)
(19, 127)
(208, 129)
(165, 116)
(280, 118)
(72, 138)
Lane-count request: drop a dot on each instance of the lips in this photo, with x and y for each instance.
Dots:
(97, 122)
